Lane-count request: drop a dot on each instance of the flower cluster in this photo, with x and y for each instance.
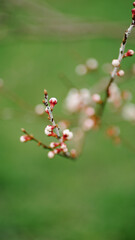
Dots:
(88, 105)
(61, 146)
(52, 130)
(83, 102)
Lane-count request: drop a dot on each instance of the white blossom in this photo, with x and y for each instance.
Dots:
(81, 69)
(92, 63)
(51, 154)
(128, 112)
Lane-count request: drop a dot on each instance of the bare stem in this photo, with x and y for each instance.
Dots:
(51, 114)
(115, 70)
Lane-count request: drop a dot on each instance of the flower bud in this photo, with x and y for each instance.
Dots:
(120, 73)
(67, 135)
(73, 153)
(88, 124)
(49, 130)
(130, 53)
(25, 138)
(92, 64)
(63, 145)
(53, 102)
(46, 110)
(133, 13)
(51, 154)
(96, 98)
(53, 144)
(90, 111)
(115, 63)
(81, 69)
(39, 109)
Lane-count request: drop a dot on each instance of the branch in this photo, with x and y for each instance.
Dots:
(116, 62)
(51, 114)
(60, 147)
(29, 137)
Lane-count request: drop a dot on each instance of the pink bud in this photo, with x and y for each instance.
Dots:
(53, 144)
(25, 138)
(58, 150)
(88, 124)
(90, 111)
(49, 130)
(96, 98)
(67, 135)
(120, 73)
(53, 102)
(133, 11)
(130, 53)
(63, 145)
(46, 110)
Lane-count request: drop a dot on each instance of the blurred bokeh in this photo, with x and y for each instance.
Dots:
(42, 199)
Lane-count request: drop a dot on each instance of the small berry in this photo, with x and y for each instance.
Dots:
(134, 4)
(115, 63)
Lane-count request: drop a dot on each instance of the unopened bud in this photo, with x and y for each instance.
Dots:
(115, 63)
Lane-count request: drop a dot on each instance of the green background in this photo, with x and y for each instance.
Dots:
(42, 199)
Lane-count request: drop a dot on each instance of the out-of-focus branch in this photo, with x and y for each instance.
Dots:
(116, 63)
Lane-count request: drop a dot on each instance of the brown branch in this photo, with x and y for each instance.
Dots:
(32, 138)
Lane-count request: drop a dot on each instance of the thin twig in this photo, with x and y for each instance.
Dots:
(32, 138)
(51, 114)
(115, 70)
(35, 140)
